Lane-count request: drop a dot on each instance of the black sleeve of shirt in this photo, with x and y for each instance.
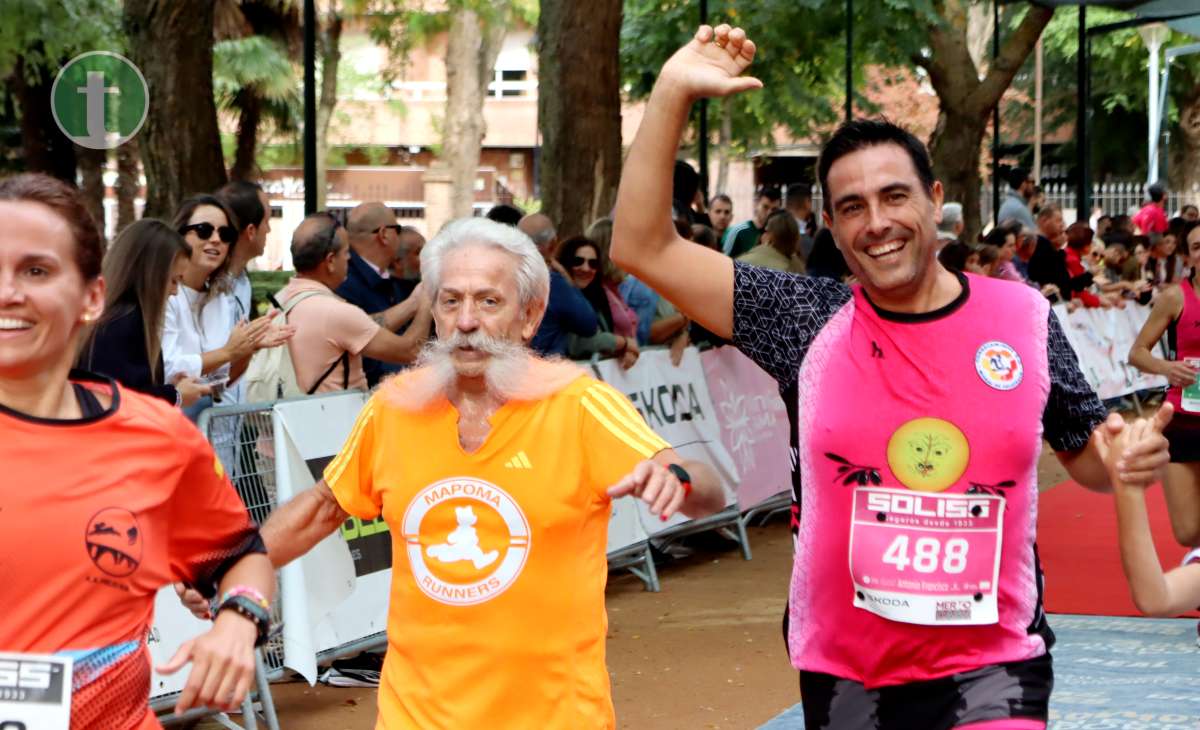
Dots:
(776, 316)
(1073, 410)
(210, 573)
(119, 351)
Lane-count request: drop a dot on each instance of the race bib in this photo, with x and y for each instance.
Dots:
(35, 692)
(923, 558)
(1189, 399)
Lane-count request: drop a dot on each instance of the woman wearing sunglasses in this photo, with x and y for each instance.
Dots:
(202, 336)
(583, 262)
(142, 270)
(110, 495)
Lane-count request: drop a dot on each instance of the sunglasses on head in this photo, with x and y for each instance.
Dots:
(204, 231)
(581, 261)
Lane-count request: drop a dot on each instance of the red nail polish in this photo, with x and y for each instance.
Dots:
(664, 518)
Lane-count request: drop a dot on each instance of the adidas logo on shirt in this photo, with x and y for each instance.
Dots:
(520, 461)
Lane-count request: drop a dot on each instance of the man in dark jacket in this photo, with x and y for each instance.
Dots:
(567, 311)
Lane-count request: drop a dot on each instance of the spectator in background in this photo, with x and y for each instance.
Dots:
(778, 246)
(687, 197)
(1152, 218)
(1124, 224)
(1038, 201)
(509, 215)
(957, 256)
(826, 259)
(1079, 245)
(1004, 241)
(1016, 201)
(567, 311)
(704, 236)
(986, 260)
(374, 239)
(1190, 213)
(141, 270)
(744, 236)
(624, 319)
(1048, 264)
(799, 204)
(332, 335)
(1103, 227)
(1162, 265)
(253, 211)
(406, 267)
(203, 338)
(582, 259)
(721, 215)
(952, 225)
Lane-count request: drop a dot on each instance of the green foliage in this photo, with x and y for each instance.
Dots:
(45, 34)
(263, 283)
(260, 64)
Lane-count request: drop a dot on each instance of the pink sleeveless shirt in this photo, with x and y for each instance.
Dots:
(918, 438)
(1185, 337)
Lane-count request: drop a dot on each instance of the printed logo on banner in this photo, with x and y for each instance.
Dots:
(467, 540)
(999, 365)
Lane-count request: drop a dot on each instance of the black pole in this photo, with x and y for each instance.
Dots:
(1083, 80)
(703, 151)
(996, 119)
(310, 107)
(849, 60)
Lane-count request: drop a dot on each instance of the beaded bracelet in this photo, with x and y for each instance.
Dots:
(249, 592)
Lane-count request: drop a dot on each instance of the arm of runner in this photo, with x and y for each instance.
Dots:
(223, 658)
(297, 526)
(656, 485)
(1167, 309)
(699, 281)
(1154, 593)
(1137, 462)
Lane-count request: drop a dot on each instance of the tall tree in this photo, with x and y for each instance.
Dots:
(180, 144)
(579, 110)
(128, 183)
(329, 41)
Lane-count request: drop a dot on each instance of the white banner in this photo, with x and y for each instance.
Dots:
(1101, 339)
(314, 589)
(675, 403)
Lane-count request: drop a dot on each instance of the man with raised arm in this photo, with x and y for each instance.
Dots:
(919, 400)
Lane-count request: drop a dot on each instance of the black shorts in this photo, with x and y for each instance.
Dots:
(996, 692)
(1183, 438)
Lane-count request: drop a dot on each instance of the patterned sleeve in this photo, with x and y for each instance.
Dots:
(1073, 410)
(777, 315)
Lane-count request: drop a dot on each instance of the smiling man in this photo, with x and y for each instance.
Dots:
(494, 470)
(919, 399)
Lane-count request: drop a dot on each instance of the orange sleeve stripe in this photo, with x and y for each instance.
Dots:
(333, 472)
(622, 420)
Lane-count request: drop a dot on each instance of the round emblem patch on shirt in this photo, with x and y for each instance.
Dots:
(999, 365)
(467, 540)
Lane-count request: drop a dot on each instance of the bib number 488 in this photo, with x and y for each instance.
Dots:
(927, 554)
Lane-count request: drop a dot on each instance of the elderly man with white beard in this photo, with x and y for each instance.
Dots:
(494, 470)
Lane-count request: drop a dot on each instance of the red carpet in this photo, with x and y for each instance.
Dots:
(1077, 542)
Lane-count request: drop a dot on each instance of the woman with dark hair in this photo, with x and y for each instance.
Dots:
(1004, 240)
(203, 337)
(124, 471)
(1079, 244)
(141, 271)
(584, 262)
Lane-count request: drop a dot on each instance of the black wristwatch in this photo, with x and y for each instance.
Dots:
(684, 478)
(246, 606)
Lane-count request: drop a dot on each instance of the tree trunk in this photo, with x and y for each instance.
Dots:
(966, 101)
(127, 184)
(331, 56)
(244, 162)
(46, 149)
(91, 179)
(1185, 167)
(724, 151)
(471, 52)
(579, 110)
(171, 42)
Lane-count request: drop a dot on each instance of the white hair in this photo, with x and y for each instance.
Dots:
(533, 276)
(952, 215)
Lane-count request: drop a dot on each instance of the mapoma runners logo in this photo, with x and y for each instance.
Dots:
(99, 100)
(467, 540)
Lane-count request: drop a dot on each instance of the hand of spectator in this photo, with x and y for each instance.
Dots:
(1049, 290)
(193, 601)
(655, 485)
(630, 356)
(678, 345)
(243, 341)
(275, 336)
(418, 292)
(1180, 374)
(711, 64)
(557, 266)
(1135, 454)
(191, 390)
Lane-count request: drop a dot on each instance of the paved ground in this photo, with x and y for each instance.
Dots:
(706, 652)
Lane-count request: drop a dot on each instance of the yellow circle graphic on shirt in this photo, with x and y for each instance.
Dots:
(467, 540)
(928, 454)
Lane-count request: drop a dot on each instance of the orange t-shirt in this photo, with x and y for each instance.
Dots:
(96, 515)
(496, 616)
